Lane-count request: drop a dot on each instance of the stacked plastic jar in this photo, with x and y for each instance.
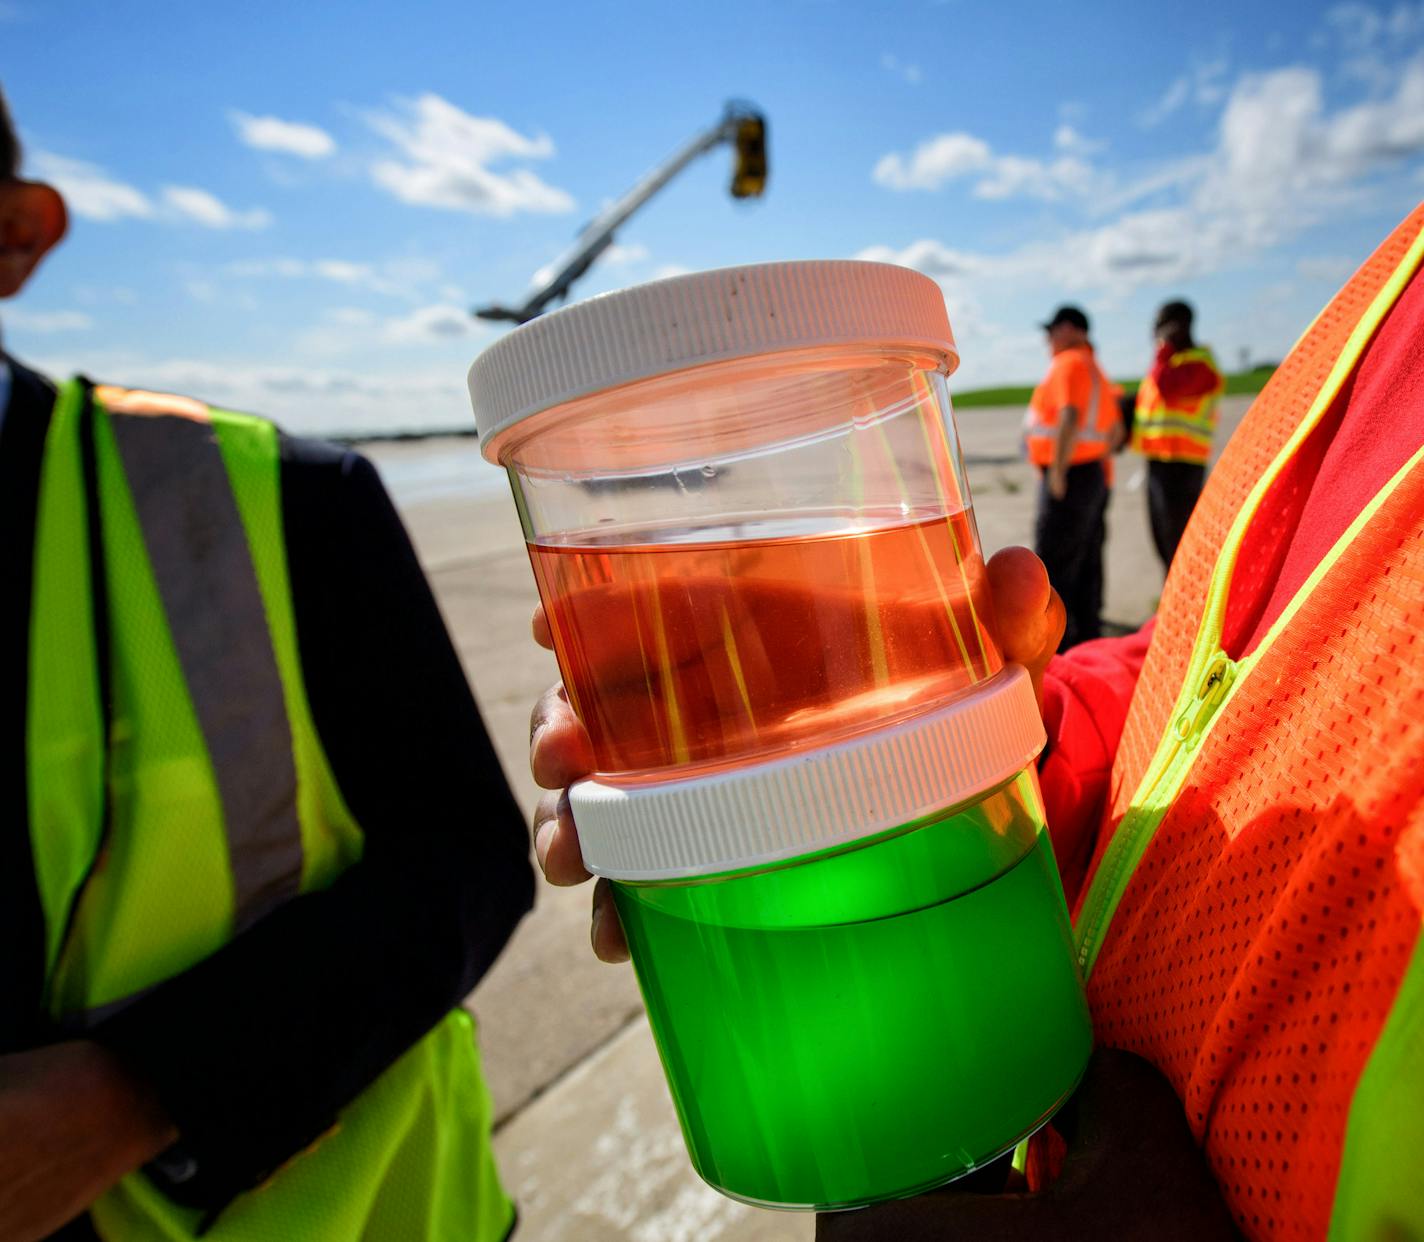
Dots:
(815, 795)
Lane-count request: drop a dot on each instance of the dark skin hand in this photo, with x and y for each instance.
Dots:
(1133, 1169)
(73, 1121)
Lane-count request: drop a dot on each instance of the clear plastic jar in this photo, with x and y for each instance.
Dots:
(743, 555)
(745, 506)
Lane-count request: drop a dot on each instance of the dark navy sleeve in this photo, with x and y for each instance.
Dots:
(22, 928)
(256, 1049)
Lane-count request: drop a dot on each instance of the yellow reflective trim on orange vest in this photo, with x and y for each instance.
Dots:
(1171, 764)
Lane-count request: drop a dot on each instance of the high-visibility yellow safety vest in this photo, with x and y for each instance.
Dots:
(198, 797)
(1179, 430)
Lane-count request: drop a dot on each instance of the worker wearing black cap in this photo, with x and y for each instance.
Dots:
(1073, 424)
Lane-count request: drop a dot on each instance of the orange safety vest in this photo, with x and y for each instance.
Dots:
(1182, 429)
(1092, 440)
(1252, 921)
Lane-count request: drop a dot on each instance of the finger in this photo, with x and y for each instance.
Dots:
(556, 843)
(559, 749)
(539, 624)
(1030, 615)
(606, 932)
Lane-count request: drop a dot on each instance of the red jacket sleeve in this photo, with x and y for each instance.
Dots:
(1086, 693)
(1187, 379)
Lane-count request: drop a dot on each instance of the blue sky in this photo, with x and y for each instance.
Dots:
(291, 208)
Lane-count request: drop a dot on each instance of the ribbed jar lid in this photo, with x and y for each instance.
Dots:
(814, 800)
(687, 321)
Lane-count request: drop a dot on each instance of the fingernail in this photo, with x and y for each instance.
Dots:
(543, 838)
(593, 927)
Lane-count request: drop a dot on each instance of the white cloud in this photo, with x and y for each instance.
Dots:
(666, 271)
(1012, 176)
(911, 74)
(1281, 163)
(1361, 28)
(1282, 160)
(1380, 131)
(441, 322)
(1071, 142)
(47, 321)
(948, 157)
(90, 191)
(926, 256)
(190, 203)
(304, 398)
(1204, 84)
(1144, 247)
(355, 332)
(1365, 42)
(933, 162)
(1156, 247)
(401, 278)
(1178, 91)
(620, 256)
(343, 271)
(1174, 175)
(445, 156)
(270, 133)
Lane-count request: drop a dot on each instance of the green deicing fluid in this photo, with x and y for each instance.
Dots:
(866, 1025)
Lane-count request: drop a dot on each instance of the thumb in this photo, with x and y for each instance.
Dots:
(1029, 613)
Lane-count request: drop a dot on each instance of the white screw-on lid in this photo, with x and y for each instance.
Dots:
(813, 800)
(687, 321)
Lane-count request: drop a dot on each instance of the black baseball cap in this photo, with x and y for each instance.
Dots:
(1070, 315)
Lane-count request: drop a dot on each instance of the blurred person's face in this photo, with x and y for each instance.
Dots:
(1064, 336)
(32, 220)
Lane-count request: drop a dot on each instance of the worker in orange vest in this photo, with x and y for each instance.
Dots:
(1173, 424)
(1071, 428)
(1237, 803)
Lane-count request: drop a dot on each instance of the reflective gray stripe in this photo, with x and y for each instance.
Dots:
(198, 548)
(1093, 435)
